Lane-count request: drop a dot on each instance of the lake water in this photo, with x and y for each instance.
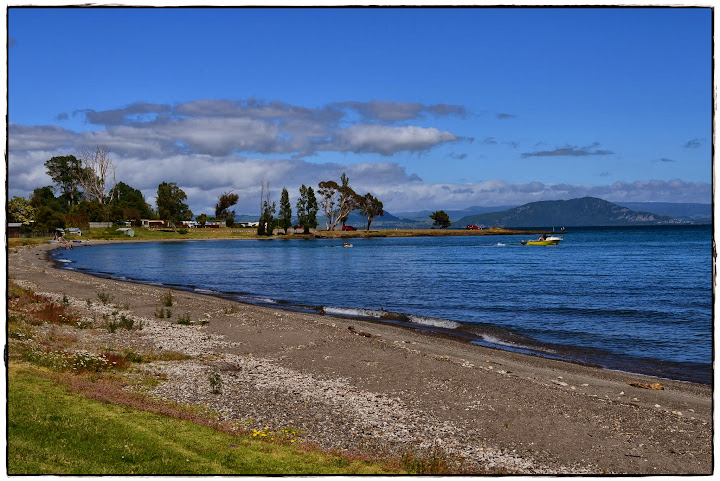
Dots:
(636, 299)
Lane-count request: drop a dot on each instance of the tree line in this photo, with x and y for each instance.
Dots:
(84, 189)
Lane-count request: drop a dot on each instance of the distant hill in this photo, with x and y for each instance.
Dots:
(586, 211)
(691, 211)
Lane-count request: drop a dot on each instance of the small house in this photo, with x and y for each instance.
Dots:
(152, 223)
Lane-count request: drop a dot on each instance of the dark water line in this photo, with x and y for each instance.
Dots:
(463, 333)
(628, 303)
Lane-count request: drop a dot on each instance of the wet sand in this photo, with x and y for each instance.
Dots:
(360, 385)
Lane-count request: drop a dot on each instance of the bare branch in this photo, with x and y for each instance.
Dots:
(97, 173)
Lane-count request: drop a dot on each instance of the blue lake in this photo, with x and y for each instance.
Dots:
(636, 299)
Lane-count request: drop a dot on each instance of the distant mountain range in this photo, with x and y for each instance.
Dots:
(586, 211)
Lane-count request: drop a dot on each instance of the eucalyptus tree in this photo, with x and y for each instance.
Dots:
(170, 203)
(370, 207)
(337, 200)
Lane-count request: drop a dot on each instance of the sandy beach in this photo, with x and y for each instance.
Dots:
(361, 385)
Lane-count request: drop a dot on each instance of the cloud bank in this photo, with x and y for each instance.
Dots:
(210, 146)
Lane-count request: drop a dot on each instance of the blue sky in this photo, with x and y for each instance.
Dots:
(426, 108)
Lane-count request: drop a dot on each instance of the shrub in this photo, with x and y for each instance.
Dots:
(167, 299)
(215, 383)
(184, 319)
(104, 297)
(126, 322)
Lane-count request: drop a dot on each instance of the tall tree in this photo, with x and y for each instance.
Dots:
(170, 203)
(97, 173)
(267, 209)
(307, 209)
(64, 171)
(285, 210)
(130, 199)
(225, 201)
(337, 201)
(441, 219)
(370, 207)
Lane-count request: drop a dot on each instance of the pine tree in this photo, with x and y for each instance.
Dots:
(285, 210)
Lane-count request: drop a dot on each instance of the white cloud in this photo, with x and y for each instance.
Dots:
(387, 140)
(211, 146)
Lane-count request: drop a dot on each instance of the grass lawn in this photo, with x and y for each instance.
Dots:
(52, 431)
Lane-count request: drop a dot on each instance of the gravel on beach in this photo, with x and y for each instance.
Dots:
(358, 385)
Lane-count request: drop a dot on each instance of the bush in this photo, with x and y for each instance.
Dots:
(167, 299)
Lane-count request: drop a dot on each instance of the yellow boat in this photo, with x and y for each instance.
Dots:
(543, 241)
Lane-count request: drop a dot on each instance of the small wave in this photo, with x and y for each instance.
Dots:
(349, 311)
(434, 322)
(500, 244)
(265, 300)
(64, 261)
(204, 291)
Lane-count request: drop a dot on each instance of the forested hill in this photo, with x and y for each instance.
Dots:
(586, 211)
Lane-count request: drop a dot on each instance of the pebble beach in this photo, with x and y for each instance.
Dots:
(363, 386)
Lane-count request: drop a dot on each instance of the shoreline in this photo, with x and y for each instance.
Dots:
(461, 333)
(489, 406)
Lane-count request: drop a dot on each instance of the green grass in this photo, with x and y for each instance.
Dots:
(52, 431)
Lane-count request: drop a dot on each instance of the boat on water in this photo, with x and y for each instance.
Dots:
(544, 240)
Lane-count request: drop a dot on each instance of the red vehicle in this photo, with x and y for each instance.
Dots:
(473, 227)
(348, 227)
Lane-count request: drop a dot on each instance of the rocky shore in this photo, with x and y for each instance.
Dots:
(383, 389)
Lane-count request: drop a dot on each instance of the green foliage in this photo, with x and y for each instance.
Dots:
(170, 203)
(20, 210)
(184, 319)
(370, 207)
(229, 222)
(44, 196)
(441, 219)
(225, 201)
(93, 211)
(202, 219)
(307, 208)
(47, 220)
(64, 172)
(131, 201)
(285, 220)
